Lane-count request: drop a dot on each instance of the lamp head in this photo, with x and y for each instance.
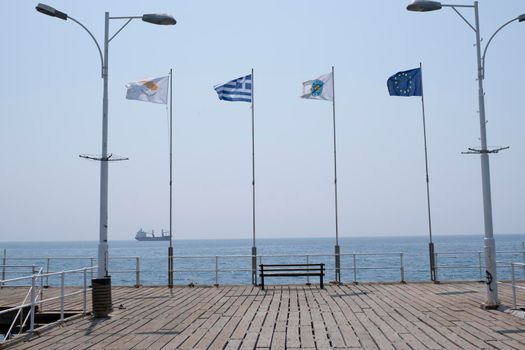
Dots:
(50, 11)
(424, 6)
(521, 18)
(160, 19)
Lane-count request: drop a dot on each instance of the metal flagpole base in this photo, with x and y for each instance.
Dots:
(337, 265)
(254, 266)
(431, 256)
(170, 267)
(490, 275)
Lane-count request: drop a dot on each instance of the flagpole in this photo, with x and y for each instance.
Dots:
(254, 248)
(170, 248)
(430, 243)
(337, 250)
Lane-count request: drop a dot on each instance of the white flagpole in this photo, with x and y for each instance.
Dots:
(430, 243)
(170, 249)
(337, 250)
(254, 248)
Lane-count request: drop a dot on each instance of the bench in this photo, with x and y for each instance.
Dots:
(291, 270)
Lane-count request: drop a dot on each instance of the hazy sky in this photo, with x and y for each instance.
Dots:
(51, 104)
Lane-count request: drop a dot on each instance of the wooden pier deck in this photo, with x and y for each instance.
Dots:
(363, 316)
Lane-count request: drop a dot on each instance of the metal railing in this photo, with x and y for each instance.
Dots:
(447, 261)
(513, 284)
(16, 267)
(216, 268)
(355, 267)
(35, 295)
(46, 262)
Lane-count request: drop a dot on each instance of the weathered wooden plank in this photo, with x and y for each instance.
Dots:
(367, 316)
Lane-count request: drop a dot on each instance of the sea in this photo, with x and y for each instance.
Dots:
(228, 261)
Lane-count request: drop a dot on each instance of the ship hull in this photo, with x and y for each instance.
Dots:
(153, 239)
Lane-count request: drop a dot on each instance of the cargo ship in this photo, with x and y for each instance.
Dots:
(150, 236)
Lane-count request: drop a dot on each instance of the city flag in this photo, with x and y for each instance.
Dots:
(406, 83)
(239, 89)
(319, 89)
(150, 90)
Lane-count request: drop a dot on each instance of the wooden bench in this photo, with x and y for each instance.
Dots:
(291, 270)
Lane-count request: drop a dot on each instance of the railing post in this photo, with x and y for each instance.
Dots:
(513, 287)
(91, 264)
(41, 293)
(137, 271)
(355, 268)
(33, 302)
(47, 271)
(4, 260)
(436, 265)
(84, 305)
(216, 271)
(307, 277)
(62, 296)
(523, 258)
(480, 267)
(261, 268)
(401, 268)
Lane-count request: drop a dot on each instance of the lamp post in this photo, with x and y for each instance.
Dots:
(489, 243)
(159, 19)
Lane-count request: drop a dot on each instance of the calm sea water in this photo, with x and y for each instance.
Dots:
(375, 258)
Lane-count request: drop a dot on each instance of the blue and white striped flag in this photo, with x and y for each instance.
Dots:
(239, 89)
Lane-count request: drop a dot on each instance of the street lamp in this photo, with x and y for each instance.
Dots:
(489, 243)
(159, 19)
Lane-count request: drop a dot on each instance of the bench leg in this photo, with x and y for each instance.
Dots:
(321, 276)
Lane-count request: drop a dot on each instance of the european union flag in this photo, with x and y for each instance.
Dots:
(406, 83)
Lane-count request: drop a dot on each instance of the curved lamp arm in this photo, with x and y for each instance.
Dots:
(519, 18)
(92, 37)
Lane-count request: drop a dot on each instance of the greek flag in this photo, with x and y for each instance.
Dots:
(239, 89)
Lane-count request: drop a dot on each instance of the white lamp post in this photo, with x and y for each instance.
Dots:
(489, 243)
(160, 19)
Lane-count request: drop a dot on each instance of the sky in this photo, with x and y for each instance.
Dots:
(51, 111)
